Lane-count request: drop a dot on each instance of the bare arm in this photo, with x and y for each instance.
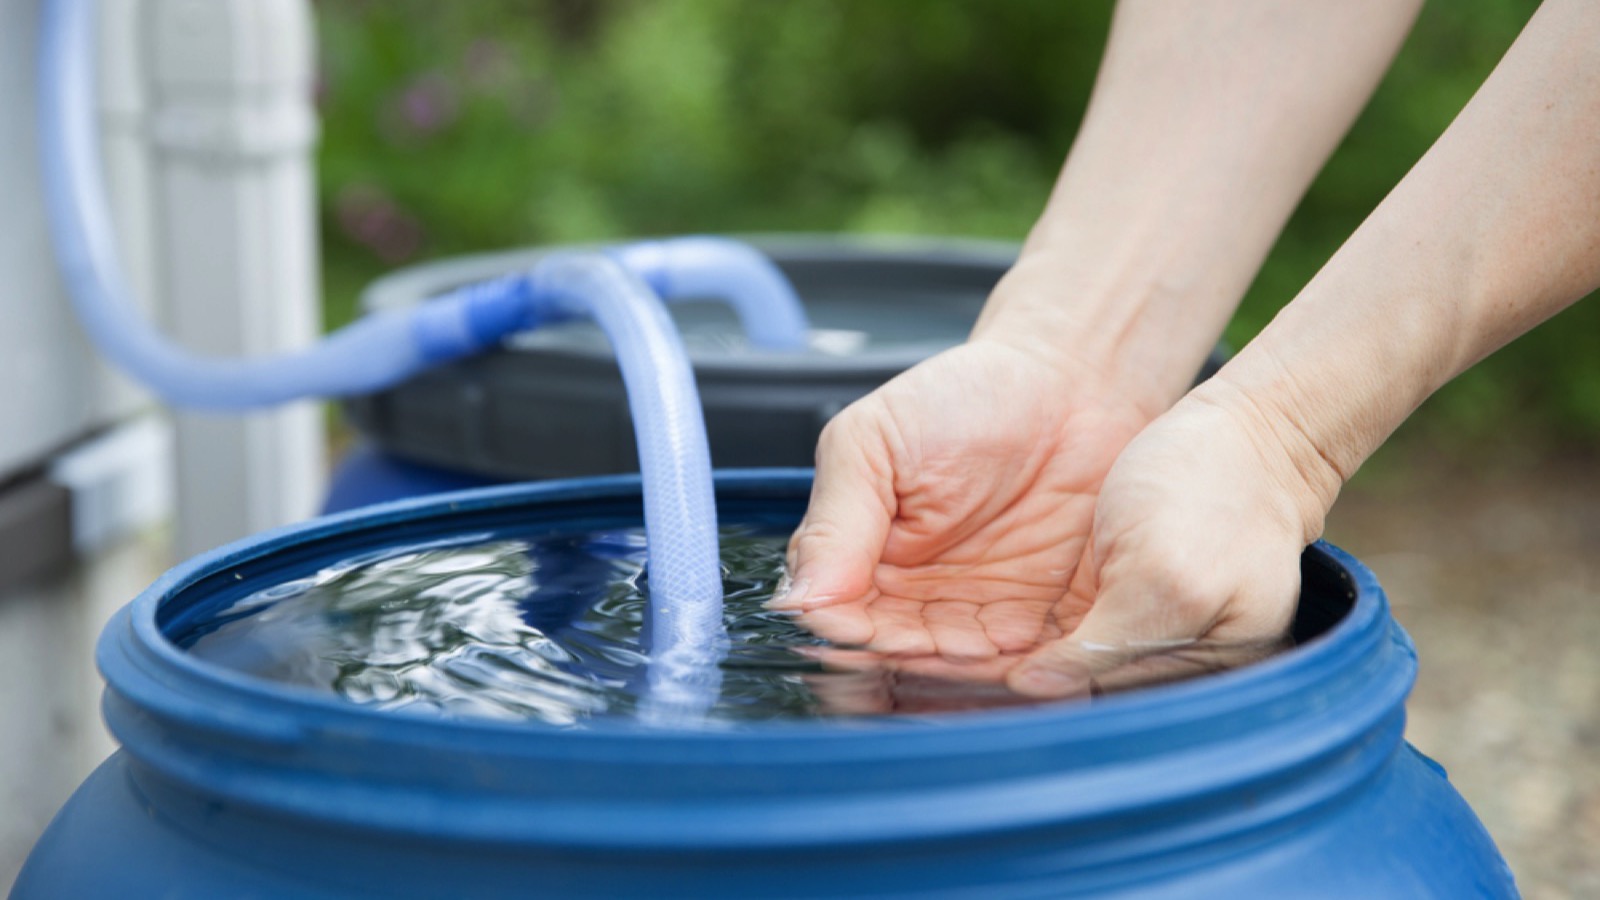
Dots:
(1208, 122)
(952, 506)
(1496, 229)
(1201, 520)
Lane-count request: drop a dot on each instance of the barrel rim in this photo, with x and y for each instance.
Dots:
(195, 724)
(1366, 613)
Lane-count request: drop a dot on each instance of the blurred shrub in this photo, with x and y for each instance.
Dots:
(457, 127)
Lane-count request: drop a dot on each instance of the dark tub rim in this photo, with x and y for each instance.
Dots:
(417, 283)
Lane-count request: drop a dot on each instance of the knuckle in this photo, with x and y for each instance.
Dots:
(813, 535)
(829, 441)
(841, 431)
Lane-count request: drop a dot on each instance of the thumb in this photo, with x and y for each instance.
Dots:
(835, 550)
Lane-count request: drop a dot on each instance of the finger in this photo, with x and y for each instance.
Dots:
(1129, 619)
(1152, 666)
(899, 629)
(957, 634)
(987, 671)
(1166, 621)
(852, 693)
(847, 623)
(834, 552)
(841, 659)
(922, 694)
(1013, 625)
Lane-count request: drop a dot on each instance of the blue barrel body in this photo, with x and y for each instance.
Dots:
(1289, 778)
(366, 475)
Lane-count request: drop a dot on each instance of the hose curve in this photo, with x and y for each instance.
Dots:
(686, 632)
(373, 353)
(686, 635)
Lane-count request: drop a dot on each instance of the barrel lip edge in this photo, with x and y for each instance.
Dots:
(1359, 632)
(172, 710)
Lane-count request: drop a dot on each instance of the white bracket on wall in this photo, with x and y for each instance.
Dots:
(209, 131)
(120, 483)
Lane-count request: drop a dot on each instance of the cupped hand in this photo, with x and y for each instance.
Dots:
(952, 507)
(1194, 560)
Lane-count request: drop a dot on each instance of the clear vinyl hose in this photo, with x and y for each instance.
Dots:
(621, 289)
(374, 352)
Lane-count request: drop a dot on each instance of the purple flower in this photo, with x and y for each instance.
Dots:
(428, 105)
(369, 216)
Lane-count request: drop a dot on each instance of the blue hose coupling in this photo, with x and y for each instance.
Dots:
(476, 317)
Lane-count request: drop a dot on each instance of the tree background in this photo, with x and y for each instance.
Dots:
(461, 127)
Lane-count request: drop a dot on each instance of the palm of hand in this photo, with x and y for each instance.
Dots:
(992, 488)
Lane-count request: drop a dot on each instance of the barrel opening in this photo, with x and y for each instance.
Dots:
(1327, 593)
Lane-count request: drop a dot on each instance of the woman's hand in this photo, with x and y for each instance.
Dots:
(952, 507)
(1015, 551)
(1193, 564)
(952, 513)
(1495, 229)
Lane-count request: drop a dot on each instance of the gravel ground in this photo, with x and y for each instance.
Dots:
(1496, 576)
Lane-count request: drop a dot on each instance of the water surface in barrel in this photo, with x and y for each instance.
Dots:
(548, 628)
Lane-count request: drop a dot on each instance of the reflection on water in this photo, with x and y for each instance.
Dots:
(549, 630)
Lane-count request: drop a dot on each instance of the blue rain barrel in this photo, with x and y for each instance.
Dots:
(366, 475)
(1289, 778)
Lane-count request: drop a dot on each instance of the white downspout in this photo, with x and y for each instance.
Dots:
(209, 134)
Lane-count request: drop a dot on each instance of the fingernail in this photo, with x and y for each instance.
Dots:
(810, 601)
(1040, 681)
(789, 594)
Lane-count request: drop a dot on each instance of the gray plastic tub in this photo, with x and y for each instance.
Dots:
(551, 404)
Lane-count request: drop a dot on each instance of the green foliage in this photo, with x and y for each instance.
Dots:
(459, 127)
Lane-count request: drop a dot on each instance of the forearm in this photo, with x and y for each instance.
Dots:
(1207, 123)
(1494, 230)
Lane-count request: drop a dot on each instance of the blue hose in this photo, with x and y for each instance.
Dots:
(614, 288)
(373, 353)
(697, 267)
(686, 636)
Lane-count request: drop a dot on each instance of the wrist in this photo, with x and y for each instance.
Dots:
(1291, 461)
(1324, 385)
(1356, 352)
(1129, 327)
